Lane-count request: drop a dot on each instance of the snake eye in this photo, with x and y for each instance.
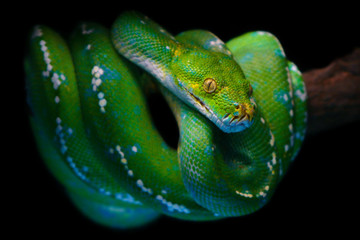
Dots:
(209, 85)
(250, 90)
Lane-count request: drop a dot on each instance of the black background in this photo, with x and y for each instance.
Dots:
(317, 196)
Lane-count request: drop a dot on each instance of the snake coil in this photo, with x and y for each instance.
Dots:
(240, 108)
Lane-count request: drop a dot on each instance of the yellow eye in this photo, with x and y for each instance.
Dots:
(209, 85)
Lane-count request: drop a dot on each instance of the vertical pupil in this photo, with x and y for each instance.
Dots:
(209, 85)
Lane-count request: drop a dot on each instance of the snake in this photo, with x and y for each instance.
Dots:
(240, 108)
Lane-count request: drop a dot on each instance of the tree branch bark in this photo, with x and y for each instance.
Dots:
(334, 93)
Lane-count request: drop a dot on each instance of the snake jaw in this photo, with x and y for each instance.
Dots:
(240, 119)
(198, 101)
(230, 122)
(234, 123)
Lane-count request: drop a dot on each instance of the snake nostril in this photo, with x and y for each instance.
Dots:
(239, 106)
(236, 106)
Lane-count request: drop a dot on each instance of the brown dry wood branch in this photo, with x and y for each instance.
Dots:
(334, 93)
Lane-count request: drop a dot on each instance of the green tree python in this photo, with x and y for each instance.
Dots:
(240, 108)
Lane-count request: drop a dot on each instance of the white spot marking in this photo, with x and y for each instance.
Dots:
(295, 69)
(102, 103)
(269, 166)
(262, 194)
(47, 59)
(96, 81)
(291, 112)
(172, 206)
(124, 161)
(286, 97)
(266, 33)
(272, 140)
(134, 149)
(118, 148)
(286, 148)
(100, 95)
(301, 95)
(212, 43)
(56, 81)
(271, 163)
(140, 184)
(246, 194)
(127, 198)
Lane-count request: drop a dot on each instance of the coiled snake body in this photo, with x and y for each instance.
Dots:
(240, 108)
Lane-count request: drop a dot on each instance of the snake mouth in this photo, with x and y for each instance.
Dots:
(198, 101)
(239, 120)
(229, 123)
(232, 121)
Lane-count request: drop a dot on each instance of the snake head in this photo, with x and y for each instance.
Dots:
(216, 85)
